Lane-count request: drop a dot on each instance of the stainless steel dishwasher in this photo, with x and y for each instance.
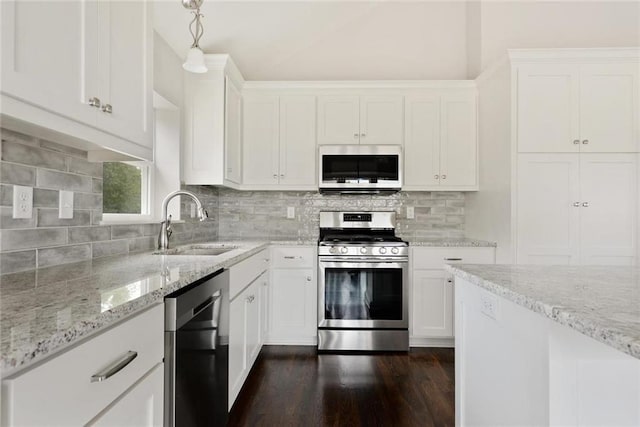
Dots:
(197, 353)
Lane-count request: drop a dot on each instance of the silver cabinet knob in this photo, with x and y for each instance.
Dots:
(107, 108)
(436, 176)
(275, 176)
(363, 135)
(251, 298)
(576, 204)
(585, 204)
(281, 175)
(444, 176)
(576, 141)
(585, 141)
(355, 135)
(308, 278)
(94, 102)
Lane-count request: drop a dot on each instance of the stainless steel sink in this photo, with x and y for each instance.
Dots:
(202, 249)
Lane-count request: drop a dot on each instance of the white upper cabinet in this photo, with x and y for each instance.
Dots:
(212, 124)
(279, 142)
(368, 119)
(441, 147)
(86, 62)
(568, 108)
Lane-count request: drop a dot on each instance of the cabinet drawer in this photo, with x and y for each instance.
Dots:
(245, 272)
(61, 392)
(437, 257)
(293, 257)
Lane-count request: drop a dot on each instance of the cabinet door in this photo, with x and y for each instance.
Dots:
(143, 405)
(233, 122)
(298, 141)
(609, 108)
(432, 304)
(338, 120)
(458, 143)
(260, 140)
(608, 223)
(125, 69)
(547, 108)
(237, 345)
(422, 142)
(293, 308)
(547, 218)
(49, 55)
(381, 120)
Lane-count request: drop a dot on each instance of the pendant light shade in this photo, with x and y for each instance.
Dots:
(195, 61)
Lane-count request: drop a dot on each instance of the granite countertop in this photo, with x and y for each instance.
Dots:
(600, 302)
(444, 242)
(45, 310)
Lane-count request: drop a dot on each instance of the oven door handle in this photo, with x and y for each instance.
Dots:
(361, 260)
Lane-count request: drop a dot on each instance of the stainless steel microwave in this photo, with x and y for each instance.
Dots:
(360, 168)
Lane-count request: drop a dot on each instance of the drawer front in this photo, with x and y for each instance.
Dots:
(61, 392)
(437, 257)
(245, 272)
(293, 256)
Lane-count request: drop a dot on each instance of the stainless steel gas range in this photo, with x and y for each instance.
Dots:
(363, 283)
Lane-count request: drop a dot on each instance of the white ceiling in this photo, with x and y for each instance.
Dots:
(327, 40)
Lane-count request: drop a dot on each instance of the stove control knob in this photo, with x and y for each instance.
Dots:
(333, 250)
(344, 250)
(383, 251)
(395, 251)
(363, 250)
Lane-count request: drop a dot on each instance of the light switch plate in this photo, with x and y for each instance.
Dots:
(22, 201)
(411, 213)
(65, 206)
(291, 212)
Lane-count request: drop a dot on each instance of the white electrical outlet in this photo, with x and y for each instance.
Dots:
(22, 201)
(65, 206)
(489, 305)
(411, 213)
(291, 212)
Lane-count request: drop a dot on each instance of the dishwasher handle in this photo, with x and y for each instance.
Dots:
(206, 303)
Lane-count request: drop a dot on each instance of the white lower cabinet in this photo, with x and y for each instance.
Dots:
(249, 281)
(432, 292)
(293, 296)
(60, 391)
(142, 405)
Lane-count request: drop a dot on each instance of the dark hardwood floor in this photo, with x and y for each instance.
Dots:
(295, 386)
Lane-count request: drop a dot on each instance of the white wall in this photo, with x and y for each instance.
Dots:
(543, 24)
(167, 71)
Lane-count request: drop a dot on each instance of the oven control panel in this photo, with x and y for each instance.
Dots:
(360, 250)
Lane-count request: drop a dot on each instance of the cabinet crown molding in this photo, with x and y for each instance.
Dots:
(361, 84)
(617, 54)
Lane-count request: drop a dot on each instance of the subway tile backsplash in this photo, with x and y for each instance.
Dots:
(45, 240)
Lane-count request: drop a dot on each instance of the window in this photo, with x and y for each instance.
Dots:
(125, 191)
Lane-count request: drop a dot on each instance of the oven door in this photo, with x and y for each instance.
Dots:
(362, 293)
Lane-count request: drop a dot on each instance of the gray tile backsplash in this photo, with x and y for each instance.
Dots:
(46, 240)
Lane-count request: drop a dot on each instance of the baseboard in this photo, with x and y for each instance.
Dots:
(431, 342)
(291, 341)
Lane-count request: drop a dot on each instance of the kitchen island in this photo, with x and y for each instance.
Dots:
(547, 345)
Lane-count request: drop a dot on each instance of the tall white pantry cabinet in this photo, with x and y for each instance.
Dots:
(570, 157)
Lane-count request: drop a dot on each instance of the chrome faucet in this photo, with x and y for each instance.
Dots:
(165, 225)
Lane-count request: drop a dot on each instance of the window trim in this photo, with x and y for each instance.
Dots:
(146, 202)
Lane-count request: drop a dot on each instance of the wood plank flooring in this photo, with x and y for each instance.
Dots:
(295, 386)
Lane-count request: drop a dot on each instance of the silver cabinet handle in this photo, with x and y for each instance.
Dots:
(292, 257)
(585, 204)
(94, 102)
(585, 142)
(436, 176)
(355, 135)
(453, 259)
(444, 176)
(107, 108)
(576, 141)
(115, 367)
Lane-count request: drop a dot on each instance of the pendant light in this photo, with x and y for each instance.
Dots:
(195, 56)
